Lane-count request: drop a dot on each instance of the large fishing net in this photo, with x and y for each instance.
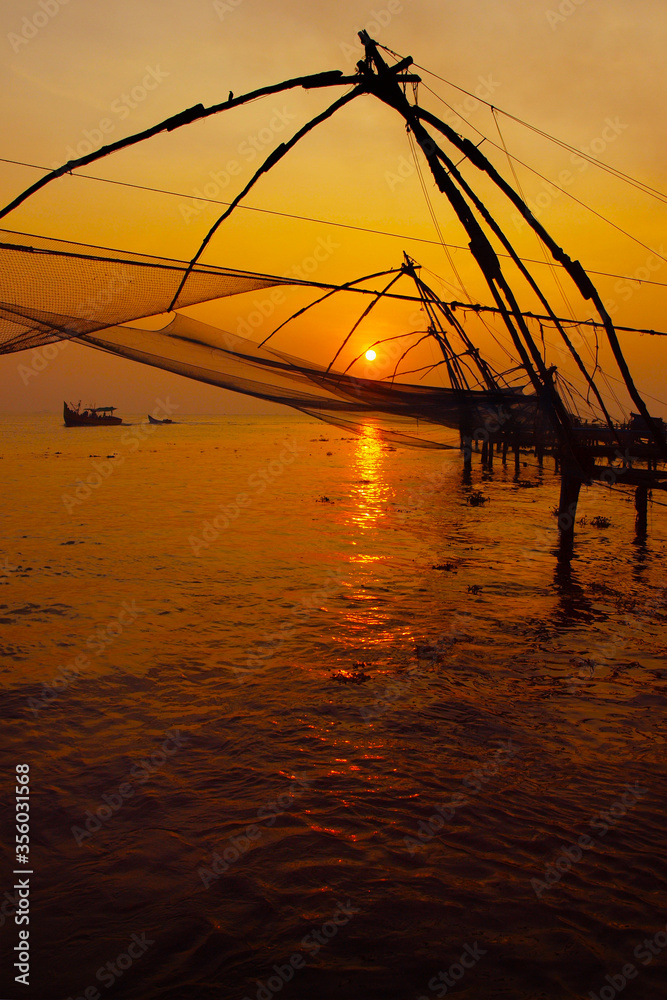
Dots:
(52, 290)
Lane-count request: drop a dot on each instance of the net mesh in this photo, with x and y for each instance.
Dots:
(404, 413)
(52, 290)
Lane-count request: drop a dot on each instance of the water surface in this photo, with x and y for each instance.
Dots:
(181, 644)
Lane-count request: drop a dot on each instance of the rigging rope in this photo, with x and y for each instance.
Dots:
(645, 188)
(329, 222)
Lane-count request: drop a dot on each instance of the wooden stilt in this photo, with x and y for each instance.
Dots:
(504, 452)
(485, 452)
(641, 506)
(570, 486)
(517, 457)
(467, 453)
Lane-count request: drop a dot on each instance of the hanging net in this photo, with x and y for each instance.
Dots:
(53, 290)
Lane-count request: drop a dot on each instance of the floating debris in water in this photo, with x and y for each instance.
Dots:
(477, 498)
(448, 566)
(324, 500)
(356, 675)
(600, 521)
(474, 588)
(432, 651)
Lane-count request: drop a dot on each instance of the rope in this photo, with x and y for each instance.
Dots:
(330, 222)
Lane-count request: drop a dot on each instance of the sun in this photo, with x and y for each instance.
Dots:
(371, 355)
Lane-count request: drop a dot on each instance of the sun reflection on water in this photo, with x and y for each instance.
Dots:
(370, 490)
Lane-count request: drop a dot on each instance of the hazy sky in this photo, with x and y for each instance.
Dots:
(77, 74)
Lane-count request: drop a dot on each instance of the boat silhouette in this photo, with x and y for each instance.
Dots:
(92, 416)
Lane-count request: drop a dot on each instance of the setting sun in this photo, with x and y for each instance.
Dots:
(371, 355)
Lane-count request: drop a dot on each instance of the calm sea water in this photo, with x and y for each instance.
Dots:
(301, 720)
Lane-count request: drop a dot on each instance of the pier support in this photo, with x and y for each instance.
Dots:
(641, 506)
(466, 450)
(570, 485)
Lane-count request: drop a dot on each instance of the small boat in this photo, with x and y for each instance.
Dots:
(94, 416)
(154, 420)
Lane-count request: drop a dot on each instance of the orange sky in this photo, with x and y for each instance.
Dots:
(77, 75)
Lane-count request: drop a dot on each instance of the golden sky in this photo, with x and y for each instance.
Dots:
(76, 75)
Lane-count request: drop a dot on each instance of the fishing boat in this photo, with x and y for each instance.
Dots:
(154, 420)
(93, 416)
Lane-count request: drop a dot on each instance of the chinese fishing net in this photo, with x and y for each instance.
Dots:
(53, 290)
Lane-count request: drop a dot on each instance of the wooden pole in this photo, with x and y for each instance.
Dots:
(641, 506)
(466, 448)
(570, 485)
